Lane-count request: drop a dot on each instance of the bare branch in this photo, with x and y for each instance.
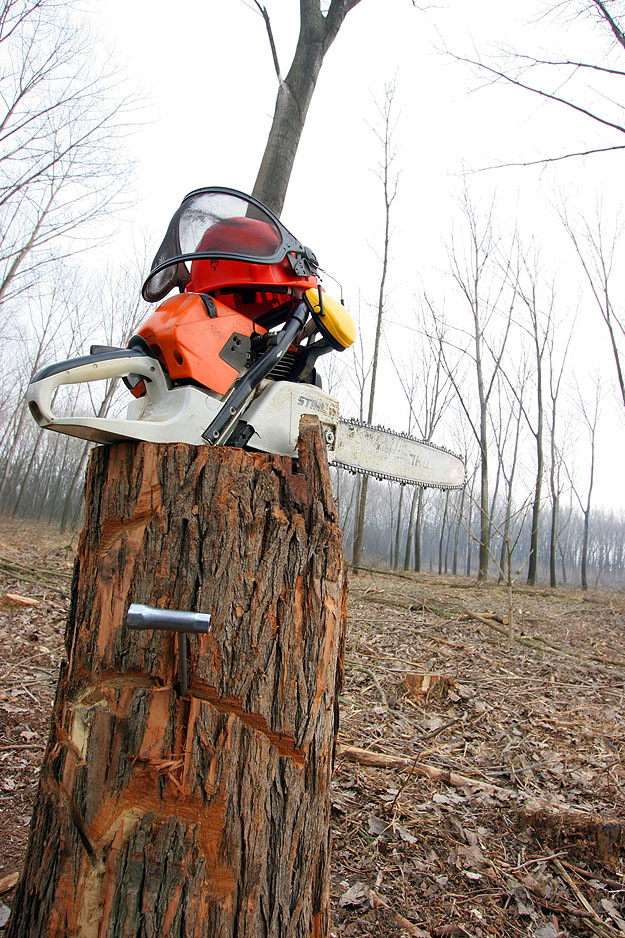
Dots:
(543, 94)
(568, 63)
(274, 52)
(544, 160)
(616, 29)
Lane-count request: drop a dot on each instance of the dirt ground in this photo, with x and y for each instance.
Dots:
(496, 805)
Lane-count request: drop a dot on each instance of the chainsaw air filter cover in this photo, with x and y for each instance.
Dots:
(231, 239)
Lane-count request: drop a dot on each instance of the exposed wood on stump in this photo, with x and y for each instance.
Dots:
(208, 816)
(582, 832)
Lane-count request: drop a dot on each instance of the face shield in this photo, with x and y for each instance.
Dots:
(222, 224)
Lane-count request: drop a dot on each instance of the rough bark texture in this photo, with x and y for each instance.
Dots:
(164, 816)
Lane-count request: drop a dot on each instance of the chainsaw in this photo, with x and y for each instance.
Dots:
(231, 357)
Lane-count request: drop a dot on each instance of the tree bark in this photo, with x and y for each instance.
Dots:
(442, 534)
(207, 815)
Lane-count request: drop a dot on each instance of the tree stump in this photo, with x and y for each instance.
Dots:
(208, 815)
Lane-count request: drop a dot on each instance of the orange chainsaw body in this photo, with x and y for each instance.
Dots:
(199, 340)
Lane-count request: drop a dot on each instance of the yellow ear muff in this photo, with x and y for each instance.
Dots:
(333, 321)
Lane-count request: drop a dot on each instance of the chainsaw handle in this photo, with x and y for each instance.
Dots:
(217, 431)
(118, 363)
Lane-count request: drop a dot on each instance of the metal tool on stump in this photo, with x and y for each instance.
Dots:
(175, 620)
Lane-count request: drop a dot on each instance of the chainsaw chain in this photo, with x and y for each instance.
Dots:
(381, 476)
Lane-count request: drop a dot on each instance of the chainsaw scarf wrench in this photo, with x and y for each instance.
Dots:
(231, 358)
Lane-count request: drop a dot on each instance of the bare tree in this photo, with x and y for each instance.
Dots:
(61, 126)
(318, 30)
(556, 372)
(589, 414)
(540, 328)
(596, 248)
(389, 189)
(482, 275)
(506, 428)
(428, 392)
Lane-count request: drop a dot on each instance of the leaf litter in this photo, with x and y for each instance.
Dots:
(518, 825)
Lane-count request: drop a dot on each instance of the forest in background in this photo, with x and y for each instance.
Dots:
(483, 367)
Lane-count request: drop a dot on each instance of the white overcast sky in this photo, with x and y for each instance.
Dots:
(205, 71)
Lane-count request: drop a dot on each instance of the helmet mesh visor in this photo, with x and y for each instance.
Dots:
(213, 223)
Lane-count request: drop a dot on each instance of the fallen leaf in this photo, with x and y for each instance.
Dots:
(472, 857)
(609, 907)
(356, 895)
(524, 904)
(376, 826)
(5, 914)
(405, 834)
(535, 885)
(546, 931)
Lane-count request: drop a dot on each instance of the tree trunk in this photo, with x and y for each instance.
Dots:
(469, 535)
(584, 563)
(398, 529)
(483, 557)
(532, 568)
(553, 540)
(206, 815)
(418, 530)
(317, 33)
(359, 529)
(413, 508)
(442, 535)
(460, 510)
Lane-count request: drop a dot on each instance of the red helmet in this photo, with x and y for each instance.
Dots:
(233, 242)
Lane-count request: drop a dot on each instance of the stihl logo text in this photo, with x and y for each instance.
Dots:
(312, 404)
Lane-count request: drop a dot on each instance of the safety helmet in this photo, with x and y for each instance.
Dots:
(231, 241)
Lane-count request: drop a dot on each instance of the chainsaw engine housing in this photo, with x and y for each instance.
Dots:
(200, 340)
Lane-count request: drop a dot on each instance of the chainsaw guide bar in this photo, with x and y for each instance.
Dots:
(418, 462)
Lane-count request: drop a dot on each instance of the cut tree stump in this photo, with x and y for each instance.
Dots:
(171, 817)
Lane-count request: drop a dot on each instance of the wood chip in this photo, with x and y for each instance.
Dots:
(14, 599)
(8, 882)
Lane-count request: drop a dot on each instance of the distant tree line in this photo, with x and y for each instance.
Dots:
(447, 539)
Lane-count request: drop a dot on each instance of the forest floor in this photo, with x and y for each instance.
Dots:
(496, 802)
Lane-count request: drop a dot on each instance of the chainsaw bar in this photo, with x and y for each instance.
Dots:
(363, 449)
